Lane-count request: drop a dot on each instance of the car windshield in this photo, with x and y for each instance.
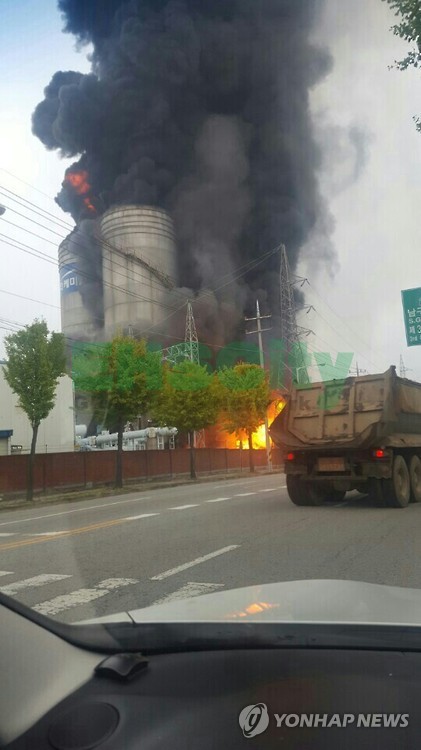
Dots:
(210, 301)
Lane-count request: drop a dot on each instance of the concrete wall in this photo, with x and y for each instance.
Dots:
(56, 433)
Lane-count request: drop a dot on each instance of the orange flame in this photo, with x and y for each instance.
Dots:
(259, 437)
(81, 186)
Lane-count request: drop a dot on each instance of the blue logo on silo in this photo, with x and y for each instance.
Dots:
(69, 279)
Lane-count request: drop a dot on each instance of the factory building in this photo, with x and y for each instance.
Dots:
(56, 432)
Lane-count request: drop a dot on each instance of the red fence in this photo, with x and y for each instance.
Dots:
(67, 470)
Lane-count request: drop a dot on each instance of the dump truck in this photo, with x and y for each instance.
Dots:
(358, 433)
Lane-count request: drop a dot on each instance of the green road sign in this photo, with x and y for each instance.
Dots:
(411, 302)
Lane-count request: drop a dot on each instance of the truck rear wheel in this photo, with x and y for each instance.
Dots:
(298, 490)
(397, 490)
(415, 478)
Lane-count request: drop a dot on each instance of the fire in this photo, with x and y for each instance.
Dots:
(81, 186)
(259, 437)
(275, 408)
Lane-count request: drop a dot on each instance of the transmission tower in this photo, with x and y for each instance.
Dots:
(189, 349)
(190, 339)
(402, 369)
(292, 365)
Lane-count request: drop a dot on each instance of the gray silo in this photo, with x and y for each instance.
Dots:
(138, 265)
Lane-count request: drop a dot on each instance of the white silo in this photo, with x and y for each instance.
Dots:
(138, 264)
(79, 320)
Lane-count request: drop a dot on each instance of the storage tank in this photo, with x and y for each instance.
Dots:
(139, 267)
(78, 320)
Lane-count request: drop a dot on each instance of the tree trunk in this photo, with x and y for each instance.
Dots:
(193, 474)
(119, 457)
(251, 454)
(31, 459)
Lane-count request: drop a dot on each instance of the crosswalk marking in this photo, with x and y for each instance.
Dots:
(35, 581)
(82, 596)
(189, 590)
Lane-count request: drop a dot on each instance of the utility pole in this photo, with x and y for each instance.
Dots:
(259, 330)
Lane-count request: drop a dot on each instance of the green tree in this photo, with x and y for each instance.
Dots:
(189, 401)
(35, 361)
(123, 378)
(245, 397)
(408, 28)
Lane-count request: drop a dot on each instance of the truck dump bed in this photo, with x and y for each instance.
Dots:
(356, 412)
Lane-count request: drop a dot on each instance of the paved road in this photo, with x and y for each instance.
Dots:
(80, 560)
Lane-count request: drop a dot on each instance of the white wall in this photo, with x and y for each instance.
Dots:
(56, 433)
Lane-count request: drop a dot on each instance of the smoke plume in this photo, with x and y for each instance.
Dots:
(200, 107)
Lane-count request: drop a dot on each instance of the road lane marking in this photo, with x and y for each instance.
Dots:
(76, 510)
(46, 533)
(6, 573)
(35, 581)
(192, 563)
(184, 507)
(189, 590)
(217, 499)
(245, 494)
(8, 533)
(142, 515)
(272, 489)
(82, 596)
(62, 535)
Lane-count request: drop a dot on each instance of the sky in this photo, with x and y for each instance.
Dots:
(370, 178)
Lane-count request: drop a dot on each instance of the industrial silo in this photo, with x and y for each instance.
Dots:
(138, 265)
(80, 319)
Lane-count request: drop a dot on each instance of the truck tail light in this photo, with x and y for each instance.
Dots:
(379, 453)
(290, 456)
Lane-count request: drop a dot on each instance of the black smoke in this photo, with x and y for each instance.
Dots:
(201, 107)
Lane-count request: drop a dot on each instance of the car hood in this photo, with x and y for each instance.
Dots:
(306, 601)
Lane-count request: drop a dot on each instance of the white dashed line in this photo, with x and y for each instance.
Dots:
(245, 494)
(47, 533)
(272, 489)
(6, 573)
(28, 583)
(142, 515)
(197, 561)
(218, 499)
(8, 533)
(82, 596)
(184, 507)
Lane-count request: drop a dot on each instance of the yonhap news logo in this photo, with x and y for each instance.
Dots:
(255, 719)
